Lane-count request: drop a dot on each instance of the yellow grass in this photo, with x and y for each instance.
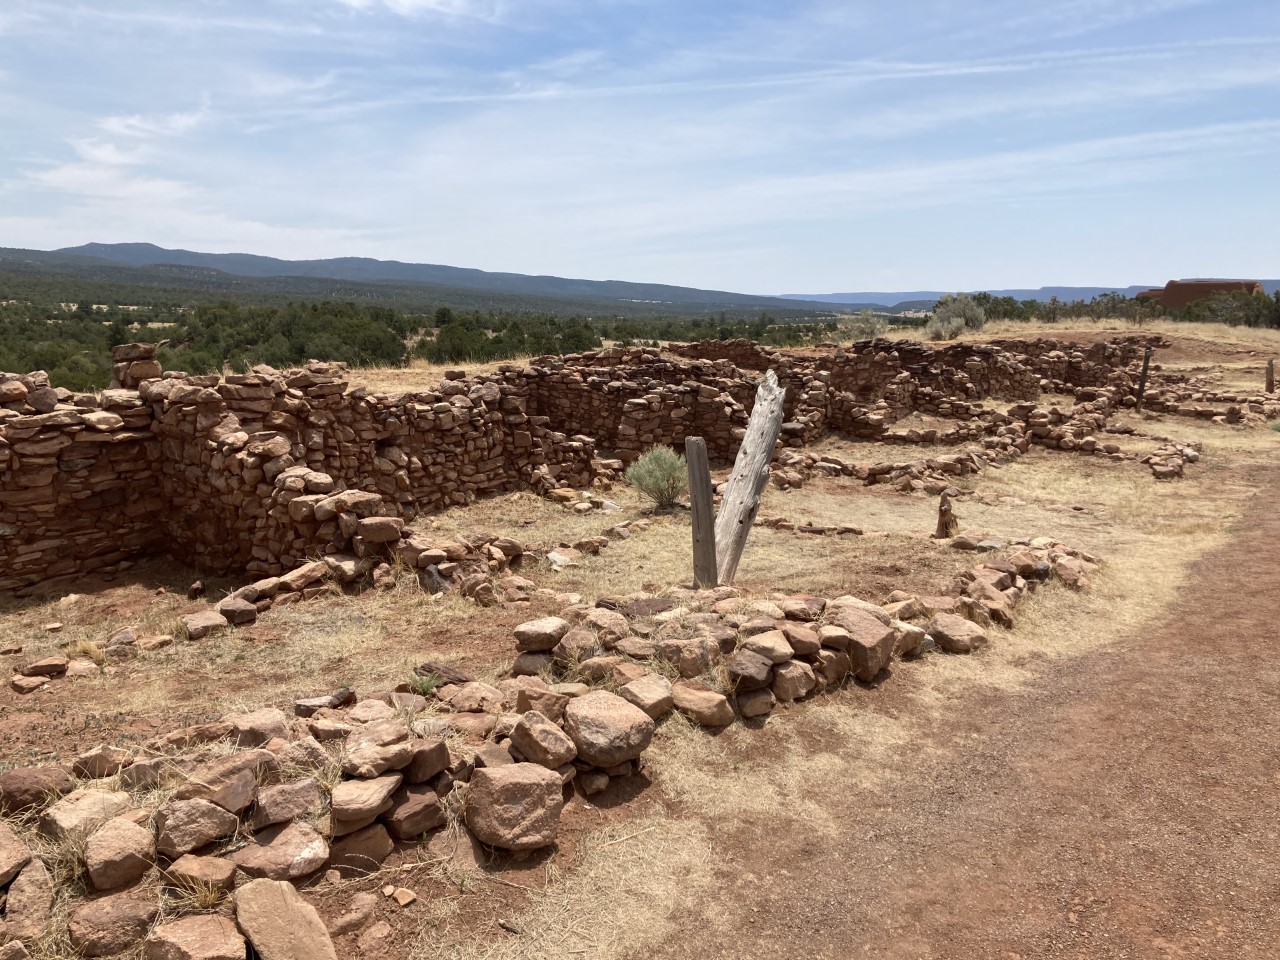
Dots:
(1218, 334)
(618, 901)
(421, 374)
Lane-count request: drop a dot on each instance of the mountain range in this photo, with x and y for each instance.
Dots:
(898, 298)
(413, 284)
(366, 270)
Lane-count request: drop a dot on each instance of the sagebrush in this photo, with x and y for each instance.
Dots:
(661, 475)
(943, 328)
(960, 307)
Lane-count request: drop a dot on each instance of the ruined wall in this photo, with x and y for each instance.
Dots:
(251, 473)
(745, 354)
(1062, 365)
(228, 474)
(629, 411)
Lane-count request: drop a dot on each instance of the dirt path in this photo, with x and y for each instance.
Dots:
(1127, 805)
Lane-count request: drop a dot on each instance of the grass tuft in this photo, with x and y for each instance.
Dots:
(661, 475)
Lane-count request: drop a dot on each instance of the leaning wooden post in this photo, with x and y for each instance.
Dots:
(1271, 376)
(1142, 380)
(704, 514)
(750, 474)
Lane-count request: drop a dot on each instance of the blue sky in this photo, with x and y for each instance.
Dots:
(760, 147)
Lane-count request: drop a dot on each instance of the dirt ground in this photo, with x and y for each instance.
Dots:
(1123, 804)
(1101, 781)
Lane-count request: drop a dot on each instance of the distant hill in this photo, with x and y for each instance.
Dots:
(365, 270)
(899, 298)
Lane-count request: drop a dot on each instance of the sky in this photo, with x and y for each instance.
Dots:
(761, 147)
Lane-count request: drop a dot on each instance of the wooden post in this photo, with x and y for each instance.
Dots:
(704, 514)
(948, 522)
(1271, 376)
(1142, 380)
(750, 474)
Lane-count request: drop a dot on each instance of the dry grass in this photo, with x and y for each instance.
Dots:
(617, 902)
(421, 375)
(775, 772)
(85, 649)
(1216, 334)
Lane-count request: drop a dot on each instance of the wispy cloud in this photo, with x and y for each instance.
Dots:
(154, 125)
(105, 154)
(478, 9)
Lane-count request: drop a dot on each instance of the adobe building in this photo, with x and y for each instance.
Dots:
(1182, 293)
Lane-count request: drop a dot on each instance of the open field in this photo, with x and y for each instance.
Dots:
(1094, 782)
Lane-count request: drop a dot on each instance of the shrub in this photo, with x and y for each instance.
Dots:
(943, 328)
(960, 307)
(867, 326)
(661, 475)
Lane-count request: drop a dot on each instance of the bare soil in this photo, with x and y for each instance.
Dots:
(1124, 804)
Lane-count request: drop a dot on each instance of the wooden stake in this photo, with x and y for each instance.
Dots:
(750, 474)
(1271, 376)
(1142, 380)
(948, 522)
(704, 515)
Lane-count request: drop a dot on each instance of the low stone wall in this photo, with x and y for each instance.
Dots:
(235, 813)
(224, 472)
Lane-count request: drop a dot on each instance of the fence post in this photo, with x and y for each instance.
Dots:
(1142, 380)
(703, 511)
(1271, 376)
(750, 474)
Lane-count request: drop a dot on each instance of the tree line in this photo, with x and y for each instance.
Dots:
(73, 341)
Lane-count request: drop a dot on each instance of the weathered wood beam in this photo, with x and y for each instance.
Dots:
(750, 473)
(703, 509)
(948, 522)
(1142, 380)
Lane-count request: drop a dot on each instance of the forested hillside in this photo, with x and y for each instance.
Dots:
(39, 274)
(72, 339)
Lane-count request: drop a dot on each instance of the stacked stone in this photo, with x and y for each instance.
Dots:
(631, 410)
(745, 354)
(245, 797)
(1063, 365)
(360, 556)
(249, 800)
(133, 363)
(258, 451)
(76, 484)
(931, 475)
(861, 421)
(219, 470)
(989, 592)
(1072, 429)
(805, 407)
(1189, 401)
(739, 658)
(1166, 462)
(868, 369)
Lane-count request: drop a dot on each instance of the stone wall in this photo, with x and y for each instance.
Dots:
(231, 474)
(225, 473)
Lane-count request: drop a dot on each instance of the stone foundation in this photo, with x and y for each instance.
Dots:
(226, 473)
